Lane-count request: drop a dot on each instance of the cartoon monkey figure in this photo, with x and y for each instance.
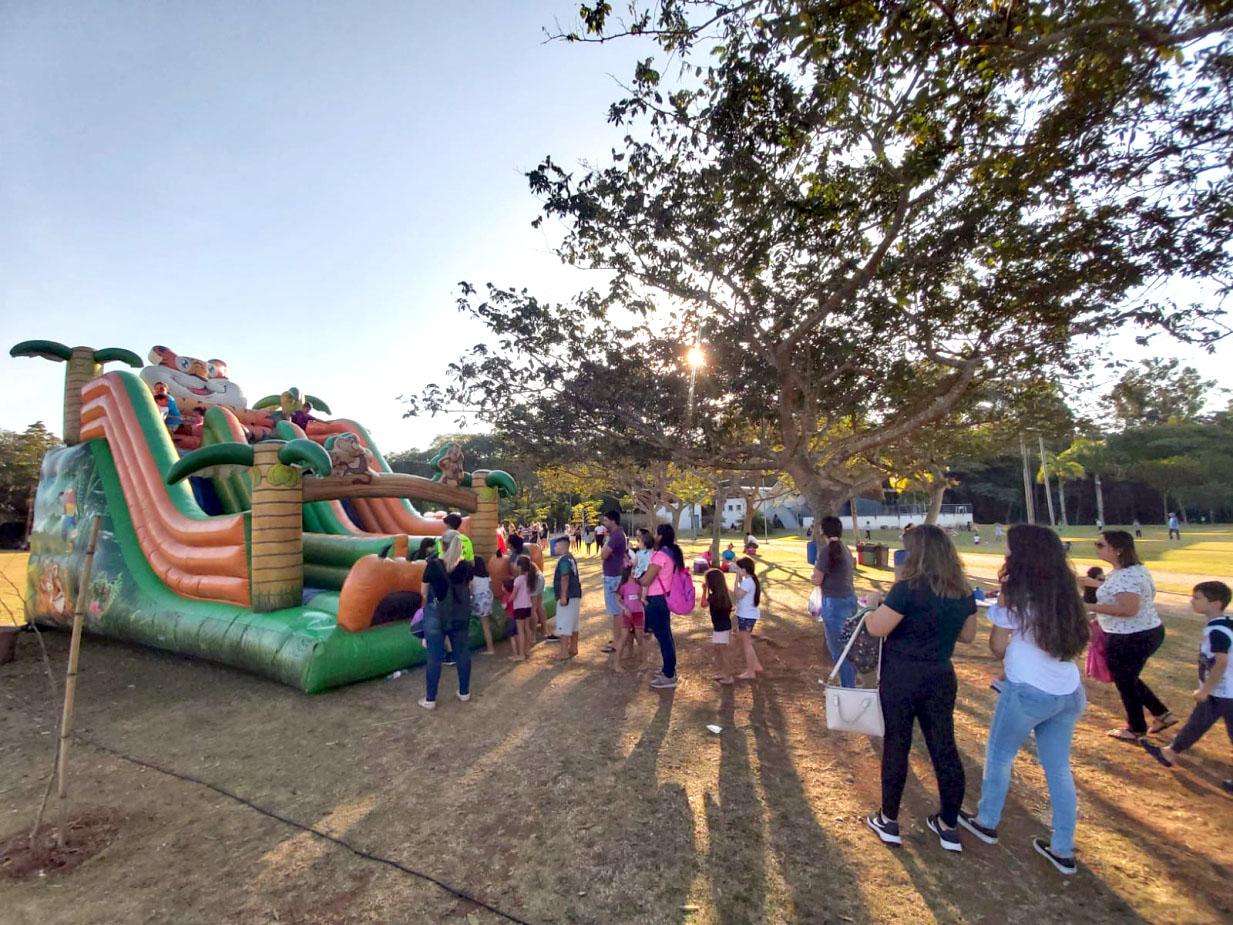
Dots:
(451, 465)
(350, 458)
(52, 598)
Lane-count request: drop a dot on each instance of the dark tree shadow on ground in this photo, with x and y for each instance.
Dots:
(822, 887)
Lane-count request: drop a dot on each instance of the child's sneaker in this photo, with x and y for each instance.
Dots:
(1065, 866)
(987, 835)
(949, 838)
(887, 830)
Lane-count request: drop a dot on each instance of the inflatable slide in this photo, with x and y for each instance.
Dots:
(262, 538)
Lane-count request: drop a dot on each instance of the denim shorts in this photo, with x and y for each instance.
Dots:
(745, 625)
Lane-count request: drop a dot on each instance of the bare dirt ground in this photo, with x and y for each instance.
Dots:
(569, 795)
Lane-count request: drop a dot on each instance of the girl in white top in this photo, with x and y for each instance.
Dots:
(1126, 608)
(1039, 627)
(746, 596)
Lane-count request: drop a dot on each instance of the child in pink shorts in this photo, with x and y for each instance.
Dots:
(632, 620)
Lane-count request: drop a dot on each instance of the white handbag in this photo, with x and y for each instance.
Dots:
(854, 709)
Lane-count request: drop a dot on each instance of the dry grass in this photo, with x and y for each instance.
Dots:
(12, 578)
(572, 795)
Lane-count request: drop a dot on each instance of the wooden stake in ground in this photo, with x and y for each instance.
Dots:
(70, 680)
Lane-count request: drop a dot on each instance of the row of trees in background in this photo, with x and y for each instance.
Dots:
(887, 229)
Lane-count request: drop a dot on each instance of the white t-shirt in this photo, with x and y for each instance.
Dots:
(1027, 663)
(745, 607)
(1134, 579)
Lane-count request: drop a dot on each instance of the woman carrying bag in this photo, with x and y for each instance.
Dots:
(927, 611)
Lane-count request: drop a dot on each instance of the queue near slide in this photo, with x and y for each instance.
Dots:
(261, 537)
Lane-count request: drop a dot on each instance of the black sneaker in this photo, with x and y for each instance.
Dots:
(1156, 752)
(1065, 866)
(449, 662)
(1226, 786)
(887, 830)
(608, 648)
(949, 838)
(552, 637)
(985, 834)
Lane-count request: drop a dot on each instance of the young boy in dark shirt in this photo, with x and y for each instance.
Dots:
(1214, 695)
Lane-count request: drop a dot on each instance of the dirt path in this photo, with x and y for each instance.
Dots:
(571, 795)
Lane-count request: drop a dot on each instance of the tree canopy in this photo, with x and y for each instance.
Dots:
(861, 213)
(21, 455)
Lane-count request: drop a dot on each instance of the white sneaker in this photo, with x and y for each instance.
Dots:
(428, 704)
(662, 683)
(464, 697)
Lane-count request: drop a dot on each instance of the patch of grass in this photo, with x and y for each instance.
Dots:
(12, 572)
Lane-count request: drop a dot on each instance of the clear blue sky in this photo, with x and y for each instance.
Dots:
(294, 187)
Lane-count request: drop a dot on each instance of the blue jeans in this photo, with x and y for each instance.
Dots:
(835, 613)
(434, 641)
(612, 596)
(1021, 710)
(659, 621)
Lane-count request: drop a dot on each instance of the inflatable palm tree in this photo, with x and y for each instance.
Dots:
(276, 552)
(84, 364)
(290, 401)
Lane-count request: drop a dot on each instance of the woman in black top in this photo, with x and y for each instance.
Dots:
(927, 610)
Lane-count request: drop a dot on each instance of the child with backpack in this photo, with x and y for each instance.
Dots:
(666, 563)
(748, 595)
(1214, 696)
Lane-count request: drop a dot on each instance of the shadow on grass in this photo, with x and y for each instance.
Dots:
(821, 886)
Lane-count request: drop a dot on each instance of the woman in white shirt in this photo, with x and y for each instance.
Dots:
(1125, 606)
(1039, 627)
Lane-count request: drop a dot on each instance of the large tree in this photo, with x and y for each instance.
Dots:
(1159, 391)
(21, 456)
(860, 212)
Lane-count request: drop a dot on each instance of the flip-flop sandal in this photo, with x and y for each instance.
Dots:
(1124, 735)
(1162, 724)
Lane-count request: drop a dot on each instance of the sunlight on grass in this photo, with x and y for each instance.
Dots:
(12, 577)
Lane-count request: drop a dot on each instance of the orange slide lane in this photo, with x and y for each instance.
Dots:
(206, 557)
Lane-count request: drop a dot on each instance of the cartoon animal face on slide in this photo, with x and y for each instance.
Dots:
(191, 380)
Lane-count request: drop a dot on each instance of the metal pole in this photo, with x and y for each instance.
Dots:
(1029, 500)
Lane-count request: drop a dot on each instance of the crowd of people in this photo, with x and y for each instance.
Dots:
(1042, 618)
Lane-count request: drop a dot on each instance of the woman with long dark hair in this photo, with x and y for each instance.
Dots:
(1039, 628)
(833, 574)
(657, 579)
(1126, 608)
(927, 610)
(447, 615)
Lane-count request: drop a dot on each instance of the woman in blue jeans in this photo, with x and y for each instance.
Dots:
(833, 574)
(447, 614)
(1039, 627)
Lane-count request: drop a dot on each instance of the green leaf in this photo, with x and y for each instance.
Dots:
(218, 454)
(47, 349)
(308, 455)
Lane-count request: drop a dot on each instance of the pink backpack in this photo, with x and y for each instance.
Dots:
(681, 593)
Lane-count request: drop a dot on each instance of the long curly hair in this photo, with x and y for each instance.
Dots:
(1040, 591)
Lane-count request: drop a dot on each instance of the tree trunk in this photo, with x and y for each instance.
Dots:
(1100, 498)
(276, 570)
(1044, 471)
(1029, 500)
(1061, 499)
(676, 511)
(856, 527)
(717, 525)
(747, 527)
(936, 494)
(81, 369)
